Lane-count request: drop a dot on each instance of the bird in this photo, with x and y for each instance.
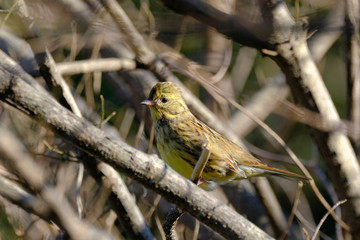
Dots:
(180, 139)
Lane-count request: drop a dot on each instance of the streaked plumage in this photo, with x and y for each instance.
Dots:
(180, 137)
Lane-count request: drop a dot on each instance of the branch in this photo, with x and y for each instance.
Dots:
(128, 212)
(309, 90)
(17, 195)
(95, 65)
(149, 170)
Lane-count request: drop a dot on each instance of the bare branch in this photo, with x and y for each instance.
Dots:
(25, 200)
(325, 216)
(149, 170)
(133, 221)
(309, 90)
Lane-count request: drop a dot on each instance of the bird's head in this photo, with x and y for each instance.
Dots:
(165, 101)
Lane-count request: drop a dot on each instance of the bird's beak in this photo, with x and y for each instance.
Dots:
(148, 102)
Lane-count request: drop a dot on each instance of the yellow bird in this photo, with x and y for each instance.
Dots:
(180, 138)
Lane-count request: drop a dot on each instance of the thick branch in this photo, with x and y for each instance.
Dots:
(309, 90)
(149, 170)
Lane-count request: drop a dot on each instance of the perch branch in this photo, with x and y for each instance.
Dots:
(149, 170)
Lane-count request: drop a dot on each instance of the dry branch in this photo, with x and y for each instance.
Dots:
(149, 170)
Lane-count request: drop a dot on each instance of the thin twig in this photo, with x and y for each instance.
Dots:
(325, 216)
(293, 210)
(102, 115)
(108, 117)
(79, 180)
(134, 217)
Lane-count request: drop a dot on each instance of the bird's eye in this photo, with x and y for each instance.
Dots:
(164, 100)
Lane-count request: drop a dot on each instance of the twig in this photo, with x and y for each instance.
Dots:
(153, 206)
(79, 180)
(102, 115)
(293, 210)
(305, 222)
(126, 122)
(109, 117)
(128, 206)
(58, 85)
(271, 205)
(325, 216)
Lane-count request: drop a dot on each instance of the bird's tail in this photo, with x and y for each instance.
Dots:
(260, 170)
(285, 174)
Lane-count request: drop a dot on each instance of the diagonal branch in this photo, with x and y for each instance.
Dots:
(147, 169)
(309, 90)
